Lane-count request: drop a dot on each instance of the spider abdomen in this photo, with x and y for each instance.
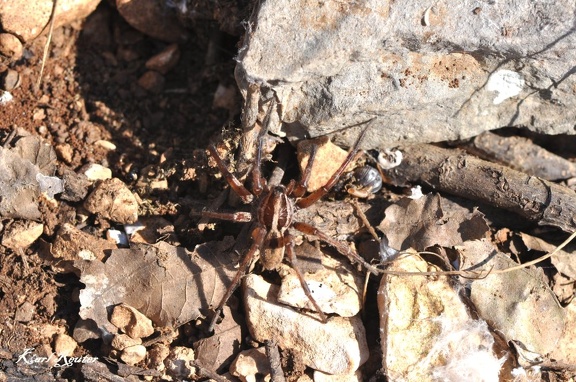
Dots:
(276, 209)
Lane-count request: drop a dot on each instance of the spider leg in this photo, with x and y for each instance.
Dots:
(299, 189)
(236, 185)
(316, 195)
(339, 246)
(294, 261)
(258, 238)
(258, 182)
(237, 217)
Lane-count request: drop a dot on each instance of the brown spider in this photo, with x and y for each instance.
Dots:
(273, 210)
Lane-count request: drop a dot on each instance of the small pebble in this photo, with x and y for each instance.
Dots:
(64, 152)
(177, 363)
(164, 61)
(64, 345)
(85, 330)
(122, 341)
(152, 81)
(157, 354)
(113, 200)
(95, 171)
(10, 80)
(10, 46)
(105, 144)
(133, 355)
(21, 234)
(249, 364)
(25, 312)
(131, 321)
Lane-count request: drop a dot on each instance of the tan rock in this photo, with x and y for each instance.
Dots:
(27, 19)
(178, 362)
(113, 200)
(122, 341)
(73, 244)
(133, 355)
(10, 80)
(105, 144)
(20, 234)
(429, 334)
(152, 81)
(156, 356)
(95, 171)
(131, 321)
(249, 364)
(351, 377)
(335, 347)
(337, 288)
(64, 152)
(10, 46)
(25, 312)
(164, 61)
(64, 345)
(328, 159)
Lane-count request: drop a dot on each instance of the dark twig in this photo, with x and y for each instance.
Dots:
(204, 372)
(276, 372)
(460, 174)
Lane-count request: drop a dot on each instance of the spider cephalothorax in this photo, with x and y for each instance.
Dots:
(273, 210)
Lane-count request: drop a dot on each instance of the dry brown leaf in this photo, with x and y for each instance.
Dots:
(428, 221)
(518, 304)
(24, 174)
(216, 352)
(39, 153)
(564, 260)
(168, 284)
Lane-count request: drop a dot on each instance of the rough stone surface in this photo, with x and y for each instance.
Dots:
(335, 347)
(164, 61)
(178, 362)
(64, 345)
(38, 15)
(113, 200)
(152, 81)
(9, 80)
(122, 341)
(328, 158)
(249, 364)
(95, 171)
(133, 354)
(426, 71)
(131, 321)
(25, 312)
(427, 333)
(156, 356)
(72, 244)
(151, 18)
(352, 377)
(10, 47)
(21, 233)
(336, 288)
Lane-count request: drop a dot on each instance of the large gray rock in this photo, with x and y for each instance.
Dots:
(426, 70)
